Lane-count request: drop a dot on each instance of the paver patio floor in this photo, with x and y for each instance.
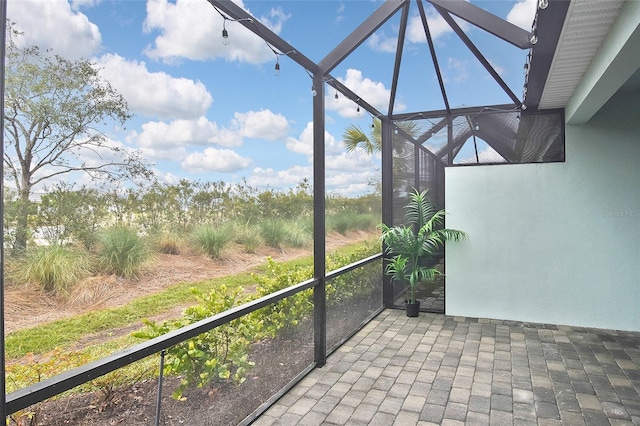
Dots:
(438, 369)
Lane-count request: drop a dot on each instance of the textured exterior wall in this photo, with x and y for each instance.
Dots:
(555, 243)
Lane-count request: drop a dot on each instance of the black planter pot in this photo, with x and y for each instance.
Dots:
(412, 309)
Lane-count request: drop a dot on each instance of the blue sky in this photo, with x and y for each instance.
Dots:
(206, 111)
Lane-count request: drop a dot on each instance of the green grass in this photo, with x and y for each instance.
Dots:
(44, 338)
(62, 332)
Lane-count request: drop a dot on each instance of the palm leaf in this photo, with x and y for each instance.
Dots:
(354, 137)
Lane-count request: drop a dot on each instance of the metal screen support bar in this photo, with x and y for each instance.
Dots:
(400, 46)
(160, 377)
(319, 231)
(487, 21)
(387, 202)
(434, 57)
(3, 387)
(360, 34)
(476, 52)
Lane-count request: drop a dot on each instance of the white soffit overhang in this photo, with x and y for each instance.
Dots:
(585, 27)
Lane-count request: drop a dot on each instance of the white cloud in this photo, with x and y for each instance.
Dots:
(161, 139)
(356, 160)
(79, 4)
(53, 25)
(347, 183)
(304, 144)
(162, 135)
(155, 94)
(346, 173)
(373, 92)
(459, 70)
(438, 27)
(215, 160)
(382, 43)
(522, 13)
(262, 124)
(176, 153)
(279, 179)
(193, 30)
(351, 183)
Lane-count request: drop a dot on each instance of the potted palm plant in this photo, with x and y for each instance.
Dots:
(415, 244)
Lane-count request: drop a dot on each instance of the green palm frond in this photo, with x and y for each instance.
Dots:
(422, 237)
(354, 137)
(421, 210)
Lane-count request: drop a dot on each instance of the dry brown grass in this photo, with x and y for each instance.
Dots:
(92, 292)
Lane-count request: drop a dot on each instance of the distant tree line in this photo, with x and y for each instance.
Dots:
(68, 213)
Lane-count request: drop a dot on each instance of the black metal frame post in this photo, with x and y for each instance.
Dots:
(319, 226)
(3, 40)
(387, 202)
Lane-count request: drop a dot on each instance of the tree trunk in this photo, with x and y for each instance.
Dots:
(22, 224)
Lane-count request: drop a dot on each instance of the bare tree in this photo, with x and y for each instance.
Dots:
(53, 115)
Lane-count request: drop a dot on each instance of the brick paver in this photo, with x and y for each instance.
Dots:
(438, 369)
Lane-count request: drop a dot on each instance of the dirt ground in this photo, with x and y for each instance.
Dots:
(277, 362)
(26, 307)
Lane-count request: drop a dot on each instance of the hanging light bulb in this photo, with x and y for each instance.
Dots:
(277, 70)
(533, 39)
(477, 126)
(542, 4)
(313, 91)
(395, 131)
(225, 34)
(358, 109)
(336, 97)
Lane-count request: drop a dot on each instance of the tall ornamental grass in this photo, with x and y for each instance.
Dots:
(274, 232)
(212, 239)
(54, 269)
(248, 236)
(122, 251)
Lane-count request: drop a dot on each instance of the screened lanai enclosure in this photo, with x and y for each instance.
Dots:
(415, 147)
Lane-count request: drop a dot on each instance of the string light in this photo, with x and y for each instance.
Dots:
(336, 97)
(277, 69)
(225, 33)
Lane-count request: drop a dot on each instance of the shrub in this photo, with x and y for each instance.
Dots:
(54, 268)
(248, 236)
(298, 234)
(345, 222)
(122, 251)
(211, 240)
(274, 232)
(218, 354)
(169, 243)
